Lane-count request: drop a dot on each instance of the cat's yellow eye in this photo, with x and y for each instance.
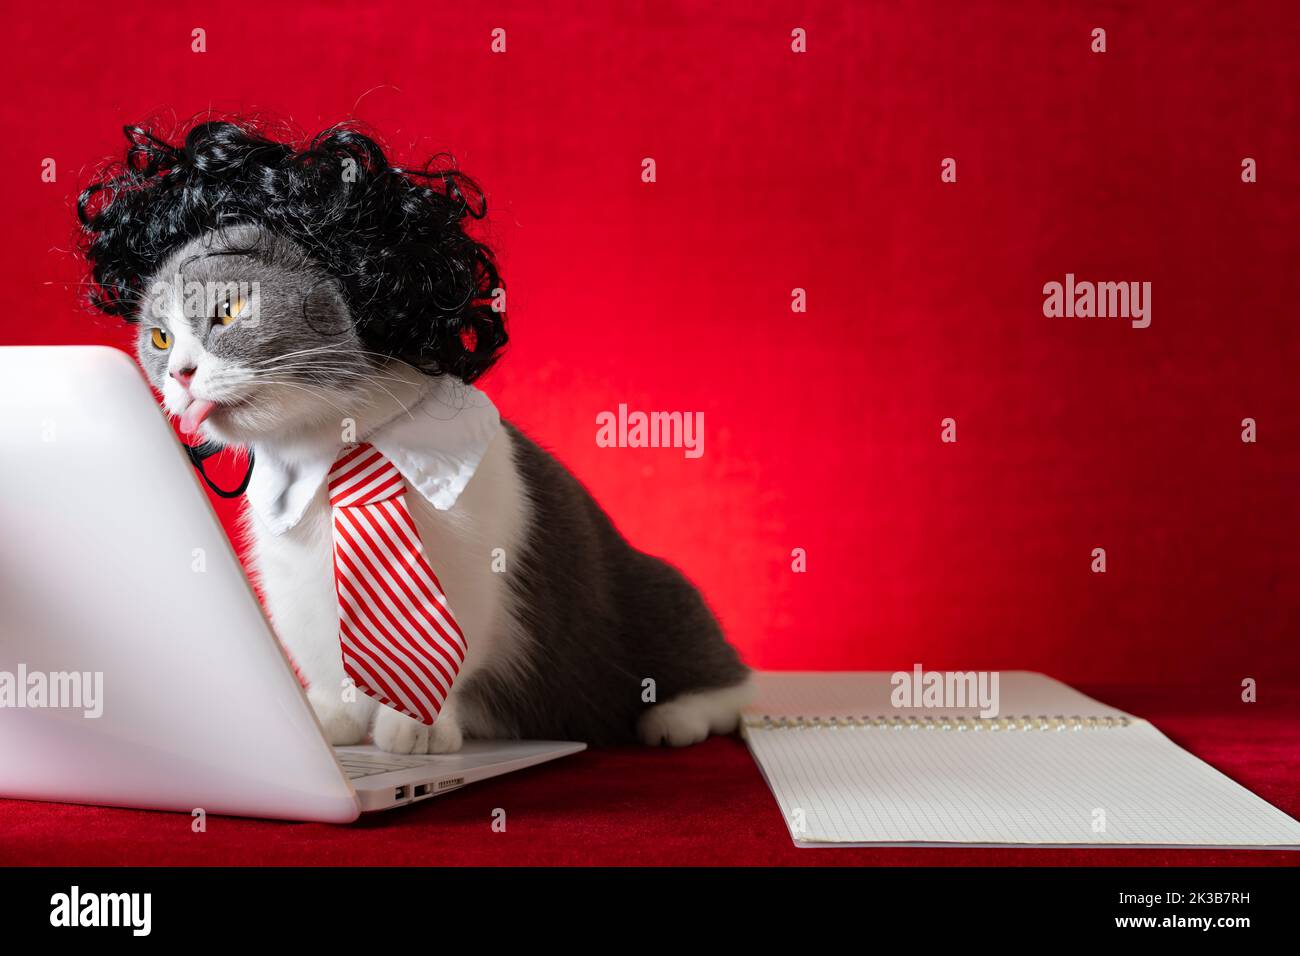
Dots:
(161, 339)
(230, 310)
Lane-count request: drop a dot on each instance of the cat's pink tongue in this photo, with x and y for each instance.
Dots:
(193, 416)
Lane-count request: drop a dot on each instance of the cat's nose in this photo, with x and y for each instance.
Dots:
(184, 375)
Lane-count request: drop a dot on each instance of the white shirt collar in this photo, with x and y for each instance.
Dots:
(437, 445)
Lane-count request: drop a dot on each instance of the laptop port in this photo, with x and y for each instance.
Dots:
(402, 793)
(422, 790)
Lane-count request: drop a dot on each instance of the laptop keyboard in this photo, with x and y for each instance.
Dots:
(357, 765)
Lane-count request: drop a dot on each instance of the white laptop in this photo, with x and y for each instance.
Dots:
(112, 690)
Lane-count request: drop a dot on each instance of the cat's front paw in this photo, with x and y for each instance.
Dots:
(399, 734)
(689, 718)
(344, 723)
(674, 725)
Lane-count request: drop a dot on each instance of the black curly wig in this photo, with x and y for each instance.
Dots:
(420, 289)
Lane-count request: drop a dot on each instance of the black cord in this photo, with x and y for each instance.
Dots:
(205, 450)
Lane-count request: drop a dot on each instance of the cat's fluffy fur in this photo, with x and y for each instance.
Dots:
(370, 290)
(559, 644)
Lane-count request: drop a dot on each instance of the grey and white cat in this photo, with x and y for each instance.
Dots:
(562, 645)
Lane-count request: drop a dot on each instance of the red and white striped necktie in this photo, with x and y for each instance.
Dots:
(400, 641)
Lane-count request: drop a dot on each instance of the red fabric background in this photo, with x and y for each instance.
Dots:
(818, 171)
(703, 805)
(821, 171)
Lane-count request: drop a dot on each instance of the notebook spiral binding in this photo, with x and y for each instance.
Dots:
(1058, 722)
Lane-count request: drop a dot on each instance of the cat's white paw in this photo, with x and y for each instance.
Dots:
(398, 734)
(445, 736)
(344, 723)
(689, 718)
(672, 724)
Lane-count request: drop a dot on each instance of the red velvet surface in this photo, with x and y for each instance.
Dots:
(703, 805)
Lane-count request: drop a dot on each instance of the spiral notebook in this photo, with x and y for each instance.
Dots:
(1055, 768)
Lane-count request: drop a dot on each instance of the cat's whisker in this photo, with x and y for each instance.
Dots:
(279, 365)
